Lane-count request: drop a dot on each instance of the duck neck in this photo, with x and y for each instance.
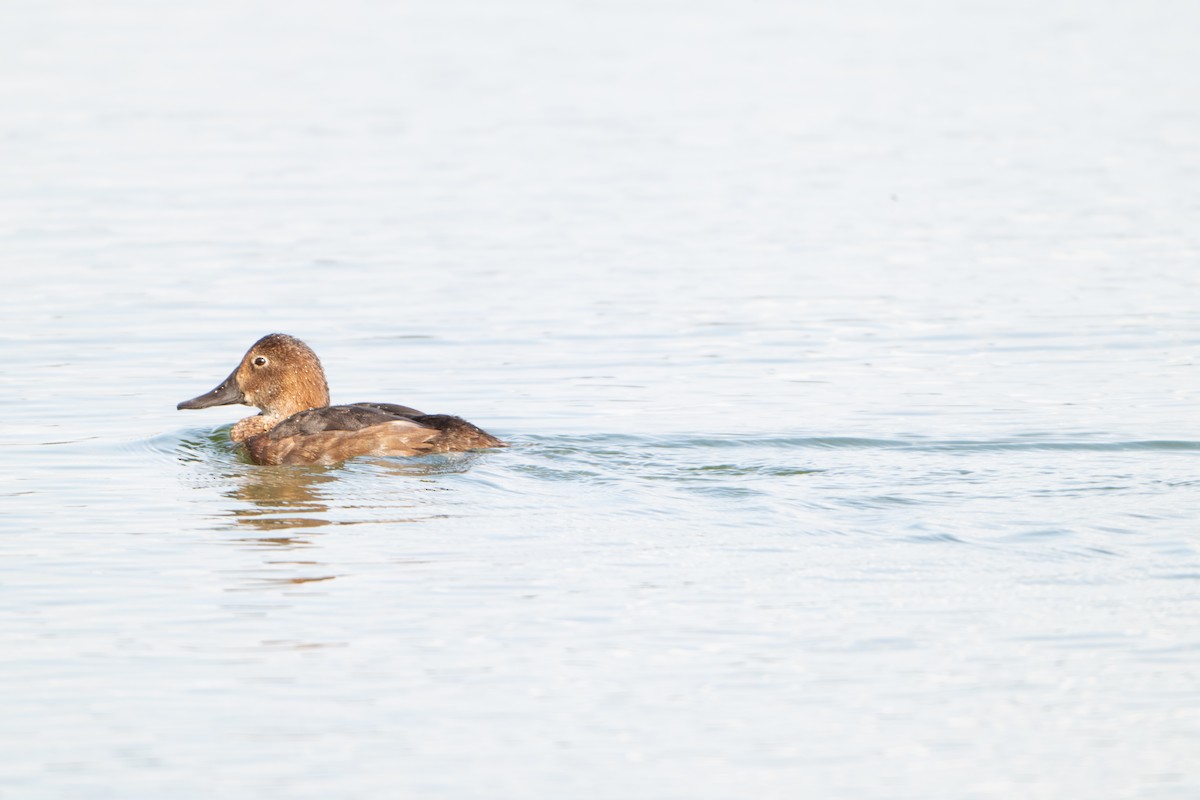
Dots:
(307, 390)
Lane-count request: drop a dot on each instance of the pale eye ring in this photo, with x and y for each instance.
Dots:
(260, 361)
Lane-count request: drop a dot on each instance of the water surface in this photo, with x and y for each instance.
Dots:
(847, 355)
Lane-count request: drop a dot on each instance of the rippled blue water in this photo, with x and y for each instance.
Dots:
(847, 353)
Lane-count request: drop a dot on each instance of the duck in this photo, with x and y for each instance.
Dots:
(282, 377)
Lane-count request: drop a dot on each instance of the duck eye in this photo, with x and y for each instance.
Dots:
(260, 362)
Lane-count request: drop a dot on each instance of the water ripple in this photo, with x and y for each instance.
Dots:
(577, 442)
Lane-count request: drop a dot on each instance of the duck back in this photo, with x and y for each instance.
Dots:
(333, 434)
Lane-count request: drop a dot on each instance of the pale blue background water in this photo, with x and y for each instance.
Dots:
(848, 353)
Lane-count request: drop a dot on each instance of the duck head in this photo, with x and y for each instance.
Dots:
(280, 375)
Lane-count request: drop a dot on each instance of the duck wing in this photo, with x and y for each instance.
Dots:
(340, 418)
(333, 434)
(454, 433)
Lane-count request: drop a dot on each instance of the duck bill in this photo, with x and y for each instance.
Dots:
(226, 394)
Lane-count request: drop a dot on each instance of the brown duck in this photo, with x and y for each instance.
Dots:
(282, 377)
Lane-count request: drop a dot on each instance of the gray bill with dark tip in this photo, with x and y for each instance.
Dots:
(226, 394)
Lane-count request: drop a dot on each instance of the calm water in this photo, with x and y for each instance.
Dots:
(848, 353)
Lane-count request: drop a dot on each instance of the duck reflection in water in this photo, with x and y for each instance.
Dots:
(281, 500)
(289, 500)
